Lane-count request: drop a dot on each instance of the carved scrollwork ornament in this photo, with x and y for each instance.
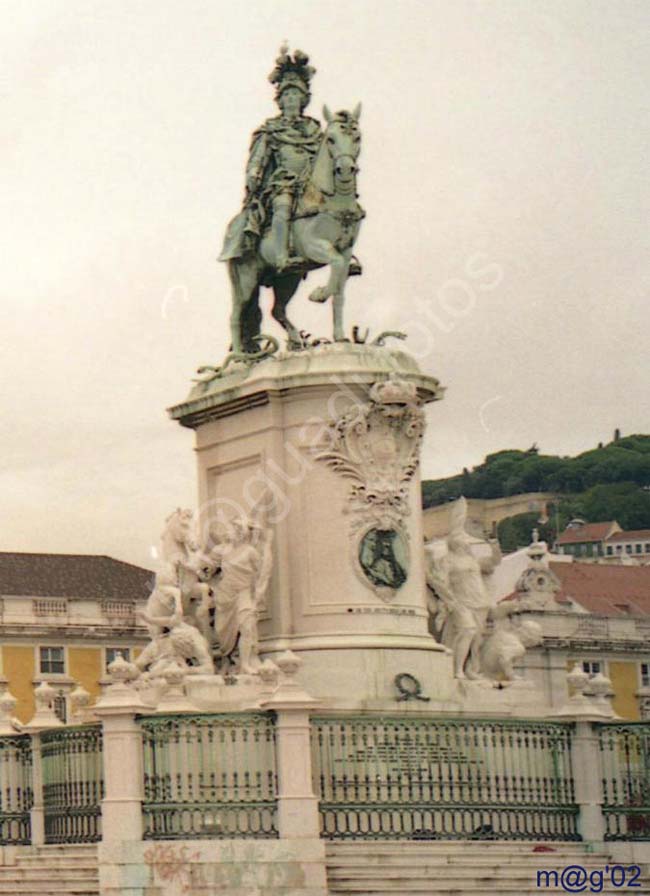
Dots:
(376, 445)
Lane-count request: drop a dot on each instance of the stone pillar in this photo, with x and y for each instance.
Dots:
(588, 778)
(298, 816)
(586, 760)
(37, 812)
(43, 719)
(123, 773)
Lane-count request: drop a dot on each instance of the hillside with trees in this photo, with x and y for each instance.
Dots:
(610, 482)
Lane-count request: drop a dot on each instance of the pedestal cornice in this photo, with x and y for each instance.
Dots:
(247, 386)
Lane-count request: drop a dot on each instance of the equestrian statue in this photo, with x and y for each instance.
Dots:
(300, 209)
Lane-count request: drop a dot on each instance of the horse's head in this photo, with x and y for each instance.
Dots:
(336, 163)
(179, 531)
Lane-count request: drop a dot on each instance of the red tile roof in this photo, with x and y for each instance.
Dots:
(72, 575)
(588, 532)
(605, 589)
(631, 535)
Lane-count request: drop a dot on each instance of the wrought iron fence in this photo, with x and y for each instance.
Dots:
(625, 753)
(385, 777)
(16, 796)
(73, 784)
(209, 775)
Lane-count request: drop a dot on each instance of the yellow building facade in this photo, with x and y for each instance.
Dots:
(63, 619)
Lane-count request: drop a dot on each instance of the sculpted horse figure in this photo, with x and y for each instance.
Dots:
(323, 231)
(178, 588)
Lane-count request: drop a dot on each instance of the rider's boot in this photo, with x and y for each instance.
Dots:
(280, 234)
(280, 231)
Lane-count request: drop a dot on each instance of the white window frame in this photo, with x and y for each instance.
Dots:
(644, 674)
(587, 666)
(41, 671)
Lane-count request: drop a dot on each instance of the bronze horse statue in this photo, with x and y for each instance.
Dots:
(323, 231)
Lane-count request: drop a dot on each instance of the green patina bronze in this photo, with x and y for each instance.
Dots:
(382, 555)
(300, 209)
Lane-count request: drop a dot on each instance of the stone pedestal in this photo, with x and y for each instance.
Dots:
(328, 441)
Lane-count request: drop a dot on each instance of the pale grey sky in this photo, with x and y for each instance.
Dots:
(505, 178)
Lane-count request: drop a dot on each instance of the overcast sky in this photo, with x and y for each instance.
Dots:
(504, 172)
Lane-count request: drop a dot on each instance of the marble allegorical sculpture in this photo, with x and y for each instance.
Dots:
(300, 210)
(459, 601)
(505, 645)
(176, 644)
(242, 562)
(486, 640)
(178, 587)
(206, 601)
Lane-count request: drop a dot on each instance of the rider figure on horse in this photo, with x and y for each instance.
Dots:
(279, 166)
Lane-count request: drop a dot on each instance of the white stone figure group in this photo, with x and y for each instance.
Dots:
(505, 646)
(460, 607)
(205, 600)
(242, 564)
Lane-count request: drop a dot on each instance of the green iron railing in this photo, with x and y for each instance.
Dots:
(209, 775)
(625, 754)
(16, 796)
(390, 777)
(73, 784)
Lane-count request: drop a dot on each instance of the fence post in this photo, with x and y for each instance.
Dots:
(37, 812)
(122, 749)
(43, 719)
(583, 709)
(588, 779)
(298, 816)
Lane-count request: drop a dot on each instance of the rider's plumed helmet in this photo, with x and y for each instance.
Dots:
(292, 72)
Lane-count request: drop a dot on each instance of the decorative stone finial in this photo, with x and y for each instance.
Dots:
(121, 671)
(44, 695)
(173, 698)
(269, 674)
(288, 663)
(577, 680)
(8, 725)
(600, 690)
(120, 695)
(79, 697)
(44, 717)
(7, 702)
(587, 700)
(80, 700)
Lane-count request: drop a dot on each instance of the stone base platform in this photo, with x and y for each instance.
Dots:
(411, 676)
(206, 867)
(359, 672)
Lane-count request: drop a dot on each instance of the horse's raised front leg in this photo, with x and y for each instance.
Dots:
(325, 253)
